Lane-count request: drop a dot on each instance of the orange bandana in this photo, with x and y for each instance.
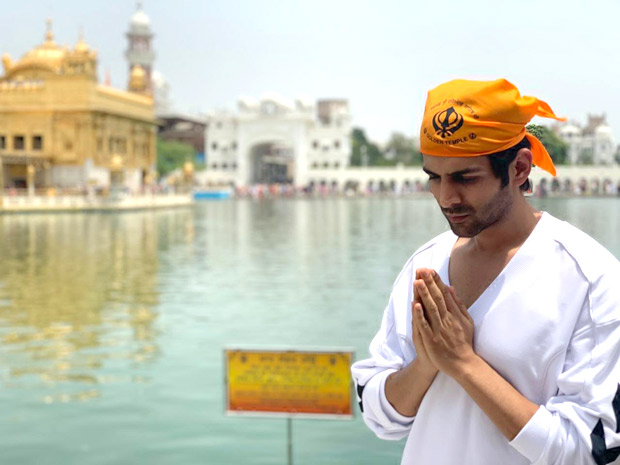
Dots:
(472, 118)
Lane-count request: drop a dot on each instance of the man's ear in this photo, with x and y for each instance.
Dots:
(522, 166)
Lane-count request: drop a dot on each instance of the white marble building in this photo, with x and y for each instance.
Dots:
(593, 144)
(273, 140)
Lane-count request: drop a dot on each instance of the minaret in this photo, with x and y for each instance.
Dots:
(139, 50)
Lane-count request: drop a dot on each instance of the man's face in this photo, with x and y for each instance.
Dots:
(468, 193)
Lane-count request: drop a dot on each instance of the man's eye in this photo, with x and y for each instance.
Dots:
(433, 178)
(465, 180)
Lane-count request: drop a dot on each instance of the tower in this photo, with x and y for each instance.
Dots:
(139, 51)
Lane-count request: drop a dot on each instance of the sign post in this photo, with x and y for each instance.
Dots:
(289, 384)
(289, 440)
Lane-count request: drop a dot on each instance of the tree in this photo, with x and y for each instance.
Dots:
(557, 148)
(399, 149)
(172, 155)
(402, 149)
(361, 144)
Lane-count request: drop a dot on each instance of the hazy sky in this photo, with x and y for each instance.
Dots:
(380, 55)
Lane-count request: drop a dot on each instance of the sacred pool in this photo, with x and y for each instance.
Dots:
(113, 325)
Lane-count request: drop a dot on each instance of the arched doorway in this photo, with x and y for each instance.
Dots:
(272, 162)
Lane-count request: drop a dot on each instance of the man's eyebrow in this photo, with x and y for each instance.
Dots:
(474, 170)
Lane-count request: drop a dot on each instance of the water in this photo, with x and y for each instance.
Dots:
(112, 326)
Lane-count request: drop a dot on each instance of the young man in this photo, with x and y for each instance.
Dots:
(500, 343)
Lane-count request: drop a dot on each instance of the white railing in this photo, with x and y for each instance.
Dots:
(19, 200)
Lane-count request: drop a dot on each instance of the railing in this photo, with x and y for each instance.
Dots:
(75, 199)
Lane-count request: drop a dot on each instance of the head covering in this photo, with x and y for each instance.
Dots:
(472, 118)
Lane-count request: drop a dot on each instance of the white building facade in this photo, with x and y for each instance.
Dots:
(274, 141)
(590, 145)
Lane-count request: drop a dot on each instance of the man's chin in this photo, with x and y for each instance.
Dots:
(463, 229)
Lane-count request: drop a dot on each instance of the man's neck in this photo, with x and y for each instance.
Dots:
(509, 233)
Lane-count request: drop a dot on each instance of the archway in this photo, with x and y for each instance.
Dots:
(272, 162)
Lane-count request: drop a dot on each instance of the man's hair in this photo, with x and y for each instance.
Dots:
(501, 160)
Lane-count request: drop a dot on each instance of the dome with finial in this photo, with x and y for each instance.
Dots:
(81, 45)
(48, 55)
(140, 22)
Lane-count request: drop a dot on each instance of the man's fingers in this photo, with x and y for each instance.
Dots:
(432, 311)
(458, 311)
(440, 284)
(414, 320)
(436, 292)
(416, 296)
(461, 306)
(421, 325)
(451, 303)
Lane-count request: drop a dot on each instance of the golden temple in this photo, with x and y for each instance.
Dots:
(60, 128)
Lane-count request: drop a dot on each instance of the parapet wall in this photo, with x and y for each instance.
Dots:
(410, 176)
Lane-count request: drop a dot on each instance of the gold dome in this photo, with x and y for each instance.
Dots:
(47, 55)
(137, 72)
(81, 46)
(137, 79)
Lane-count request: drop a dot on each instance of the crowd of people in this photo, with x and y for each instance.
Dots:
(555, 188)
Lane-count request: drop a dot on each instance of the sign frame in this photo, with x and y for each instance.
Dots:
(288, 349)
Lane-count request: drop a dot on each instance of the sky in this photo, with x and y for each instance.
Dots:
(382, 56)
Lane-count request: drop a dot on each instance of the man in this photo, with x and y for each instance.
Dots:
(500, 343)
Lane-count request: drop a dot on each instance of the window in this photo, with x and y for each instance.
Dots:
(214, 146)
(315, 144)
(99, 145)
(19, 143)
(337, 165)
(224, 166)
(2, 142)
(214, 166)
(326, 165)
(234, 165)
(337, 144)
(37, 142)
(234, 146)
(315, 165)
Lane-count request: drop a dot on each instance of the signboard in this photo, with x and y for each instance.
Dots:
(289, 382)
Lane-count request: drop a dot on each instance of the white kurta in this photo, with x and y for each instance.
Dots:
(549, 324)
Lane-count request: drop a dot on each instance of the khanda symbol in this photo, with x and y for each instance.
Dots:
(447, 122)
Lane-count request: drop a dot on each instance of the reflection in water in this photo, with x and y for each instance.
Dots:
(78, 296)
(118, 322)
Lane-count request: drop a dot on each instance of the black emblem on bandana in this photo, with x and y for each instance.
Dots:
(447, 122)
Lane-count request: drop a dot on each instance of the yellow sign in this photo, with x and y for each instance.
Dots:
(289, 382)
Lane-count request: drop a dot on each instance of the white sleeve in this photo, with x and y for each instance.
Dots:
(369, 375)
(581, 424)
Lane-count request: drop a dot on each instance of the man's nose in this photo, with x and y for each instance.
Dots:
(448, 195)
